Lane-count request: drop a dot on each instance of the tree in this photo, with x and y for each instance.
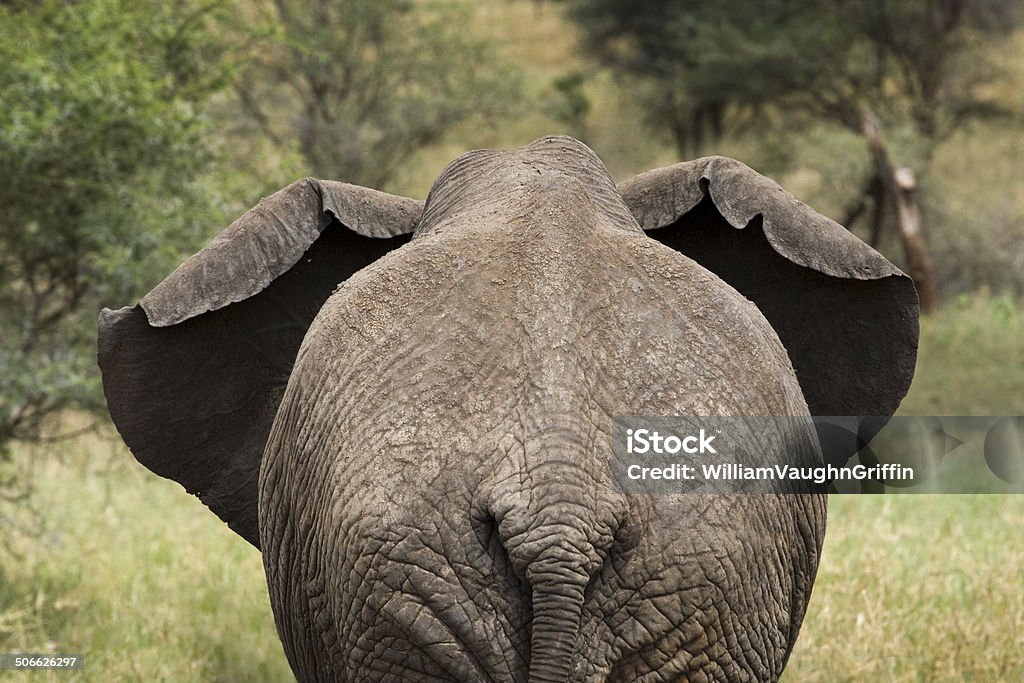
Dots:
(103, 147)
(864, 65)
(359, 86)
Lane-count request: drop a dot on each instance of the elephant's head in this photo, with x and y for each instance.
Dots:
(487, 337)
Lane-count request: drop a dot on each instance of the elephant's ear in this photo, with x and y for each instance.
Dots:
(193, 375)
(847, 317)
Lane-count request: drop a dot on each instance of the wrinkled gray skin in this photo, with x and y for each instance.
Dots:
(434, 495)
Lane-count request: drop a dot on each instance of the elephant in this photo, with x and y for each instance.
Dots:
(407, 407)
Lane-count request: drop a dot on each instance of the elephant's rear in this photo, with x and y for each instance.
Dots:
(435, 498)
(455, 516)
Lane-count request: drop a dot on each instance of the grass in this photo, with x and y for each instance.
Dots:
(127, 569)
(130, 571)
(927, 587)
(970, 359)
(917, 588)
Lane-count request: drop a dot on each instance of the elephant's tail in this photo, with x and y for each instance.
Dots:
(556, 545)
(557, 611)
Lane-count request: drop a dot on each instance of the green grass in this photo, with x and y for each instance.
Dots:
(917, 588)
(137, 575)
(970, 359)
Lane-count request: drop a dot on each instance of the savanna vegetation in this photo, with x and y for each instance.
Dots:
(130, 133)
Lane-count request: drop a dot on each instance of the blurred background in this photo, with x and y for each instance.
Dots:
(133, 132)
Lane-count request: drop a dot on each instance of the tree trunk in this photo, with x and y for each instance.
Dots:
(877, 211)
(900, 184)
(874, 192)
(919, 260)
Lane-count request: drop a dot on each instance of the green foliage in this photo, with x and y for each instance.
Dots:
(570, 104)
(801, 77)
(704, 65)
(975, 191)
(102, 155)
(359, 86)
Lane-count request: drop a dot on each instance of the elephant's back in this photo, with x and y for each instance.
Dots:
(442, 351)
(425, 385)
